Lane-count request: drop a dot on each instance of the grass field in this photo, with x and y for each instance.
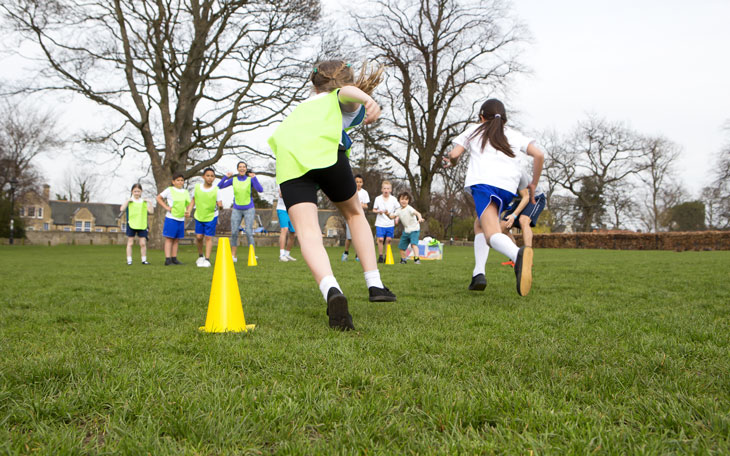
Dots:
(613, 352)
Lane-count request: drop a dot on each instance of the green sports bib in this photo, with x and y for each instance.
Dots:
(180, 201)
(205, 203)
(137, 215)
(242, 191)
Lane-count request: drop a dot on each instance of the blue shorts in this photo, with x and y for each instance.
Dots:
(381, 232)
(131, 232)
(532, 211)
(284, 220)
(407, 239)
(485, 194)
(206, 228)
(173, 229)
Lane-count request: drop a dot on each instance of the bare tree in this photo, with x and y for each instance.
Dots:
(620, 204)
(594, 156)
(717, 194)
(658, 180)
(186, 78)
(439, 53)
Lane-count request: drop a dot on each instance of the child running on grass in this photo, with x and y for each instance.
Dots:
(312, 150)
(286, 231)
(207, 200)
(492, 178)
(364, 198)
(384, 205)
(411, 220)
(175, 200)
(137, 210)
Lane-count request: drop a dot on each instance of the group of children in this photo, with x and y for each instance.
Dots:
(312, 149)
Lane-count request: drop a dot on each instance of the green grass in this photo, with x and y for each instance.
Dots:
(613, 352)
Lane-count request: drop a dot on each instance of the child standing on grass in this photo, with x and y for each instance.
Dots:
(384, 205)
(207, 200)
(175, 200)
(411, 220)
(364, 198)
(492, 178)
(312, 150)
(286, 231)
(243, 206)
(137, 210)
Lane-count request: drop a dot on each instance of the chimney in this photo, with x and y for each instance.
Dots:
(46, 191)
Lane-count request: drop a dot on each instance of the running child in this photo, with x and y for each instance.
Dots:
(523, 215)
(207, 200)
(286, 231)
(492, 178)
(364, 198)
(384, 205)
(312, 150)
(243, 206)
(174, 200)
(137, 210)
(411, 220)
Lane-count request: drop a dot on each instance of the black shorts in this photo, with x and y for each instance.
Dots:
(336, 182)
(532, 211)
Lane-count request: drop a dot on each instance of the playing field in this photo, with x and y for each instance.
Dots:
(613, 352)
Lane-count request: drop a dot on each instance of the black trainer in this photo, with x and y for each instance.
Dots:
(145, 262)
(168, 261)
(403, 261)
(478, 282)
(381, 259)
(337, 311)
(175, 261)
(381, 294)
(523, 270)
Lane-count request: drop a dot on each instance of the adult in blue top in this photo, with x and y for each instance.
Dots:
(242, 203)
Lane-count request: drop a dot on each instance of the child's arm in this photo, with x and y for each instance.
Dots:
(189, 209)
(525, 194)
(162, 203)
(150, 207)
(452, 157)
(226, 181)
(539, 158)
(419, 216)
(123, 207)
(351, 97)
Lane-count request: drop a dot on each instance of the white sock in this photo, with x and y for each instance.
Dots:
(504, 245)
(481, 253)
(129, 259)
(287, 252)
(372, 279)
(327, 283)
(144, 258)
(282, 252)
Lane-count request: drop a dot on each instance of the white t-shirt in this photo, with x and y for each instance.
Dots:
(203, 189)
(168, 199)
(363, 196)
(390, 205)
(409, 219)
(491, 166)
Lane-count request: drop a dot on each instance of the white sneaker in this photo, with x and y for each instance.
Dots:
(291, 258)
(235, 260)
(283, 258)
(205, 263)
(199, 262)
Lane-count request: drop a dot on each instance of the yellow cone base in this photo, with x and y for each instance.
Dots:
(252, 256)
(389, 256)
(225, 311)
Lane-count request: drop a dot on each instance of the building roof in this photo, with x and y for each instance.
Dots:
(104, 214)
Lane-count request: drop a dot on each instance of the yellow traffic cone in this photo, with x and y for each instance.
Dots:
(389, 256)
(225, 312)
(252, 256)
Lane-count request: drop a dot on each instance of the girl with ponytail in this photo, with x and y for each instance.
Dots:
(492, 178)
(312, 151)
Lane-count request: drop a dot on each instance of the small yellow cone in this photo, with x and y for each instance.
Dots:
(225, 312)
(252, 256)
(389, 256)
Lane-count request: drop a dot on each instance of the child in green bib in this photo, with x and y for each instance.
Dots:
(312, 149)
(136, 210)
(174, 200)
(207, 200)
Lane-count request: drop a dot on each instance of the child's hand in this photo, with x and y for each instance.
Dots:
(372, 111)
(509, 222)
(187, 213)
(446, 162)
(229, 174)
(250, 174)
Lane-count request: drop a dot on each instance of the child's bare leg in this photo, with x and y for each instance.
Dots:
(199, 243)
(130, 243)
(402, 254)
(362, 235)
(290, 241)
(173, 249)
(283, 234)
(526, 230)
(380, 247)
(306, 225)
(143, 247)
(168, 247)
(208, 246)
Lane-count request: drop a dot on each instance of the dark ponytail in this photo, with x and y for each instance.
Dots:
(492, 129)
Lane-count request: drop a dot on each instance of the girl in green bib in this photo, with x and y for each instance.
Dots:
(207, 200)
(136, 210)
(175, 200)
(312, 149)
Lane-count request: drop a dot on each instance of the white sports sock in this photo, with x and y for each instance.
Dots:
(129, 259)
(326, 283)
(372, 279)
(144, 258)
(287, 252)
(481, 253)
(282, 252)
(504, 245)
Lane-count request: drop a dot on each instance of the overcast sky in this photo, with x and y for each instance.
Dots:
(661, 66)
